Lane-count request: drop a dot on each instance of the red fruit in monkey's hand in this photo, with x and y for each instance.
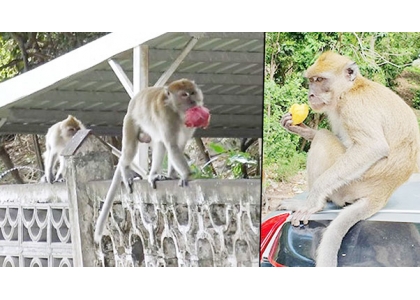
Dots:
(197, 116)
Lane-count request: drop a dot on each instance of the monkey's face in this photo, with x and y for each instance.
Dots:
(187, 99)
(70, 131)
(329, 77)
(70, 126)
(185, 94)
(320, 94)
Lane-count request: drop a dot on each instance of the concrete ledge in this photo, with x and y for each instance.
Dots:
(210, 223)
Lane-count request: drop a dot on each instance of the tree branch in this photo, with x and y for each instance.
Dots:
(21, 43)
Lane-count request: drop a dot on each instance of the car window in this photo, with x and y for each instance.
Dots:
(368, 243)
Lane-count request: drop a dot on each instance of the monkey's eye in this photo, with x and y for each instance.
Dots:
(192, 93)
(184, 94)
(315, 79)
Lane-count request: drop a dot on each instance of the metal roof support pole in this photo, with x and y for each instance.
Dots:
(168, 73)
(141, 81)
(128, 86)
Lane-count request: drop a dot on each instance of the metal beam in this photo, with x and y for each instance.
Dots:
(140, 68)
(141, 81)
(128, 86)
(139, 170)
(2, 121)
(168, 73)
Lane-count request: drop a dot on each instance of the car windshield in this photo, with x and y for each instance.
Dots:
(368, 243)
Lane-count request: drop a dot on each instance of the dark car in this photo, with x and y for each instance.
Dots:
(390, 238)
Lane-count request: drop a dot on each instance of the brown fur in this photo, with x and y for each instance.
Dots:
(372, 149)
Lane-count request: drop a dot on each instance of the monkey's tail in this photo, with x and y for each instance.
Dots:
(362, 209)
(106, 208)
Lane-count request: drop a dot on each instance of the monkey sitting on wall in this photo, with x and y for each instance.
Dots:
(157, 115)
(373, 148)
(57, 137)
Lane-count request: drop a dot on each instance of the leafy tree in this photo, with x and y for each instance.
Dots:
(23, 51)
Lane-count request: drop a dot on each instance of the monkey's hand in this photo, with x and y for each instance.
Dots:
(302, 209)
(301, 129)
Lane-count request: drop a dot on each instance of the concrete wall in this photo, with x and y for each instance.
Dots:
(35, 226)
(209, 223)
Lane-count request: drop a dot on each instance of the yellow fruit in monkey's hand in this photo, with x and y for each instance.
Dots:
(299, 113)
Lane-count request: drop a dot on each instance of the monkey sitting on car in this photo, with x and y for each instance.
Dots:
(57, 137)
(373, 148)
(162, 116)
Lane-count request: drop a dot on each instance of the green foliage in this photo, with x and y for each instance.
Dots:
(23, 51)
(232, 158)
(6, 56)
(204, 172)
(416, 99)
(281, 147)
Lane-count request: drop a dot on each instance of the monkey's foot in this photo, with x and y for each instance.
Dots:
(127, 176)
(128, 183)
(302, 210)
(302, 215)
(157, 177)
(183, 182)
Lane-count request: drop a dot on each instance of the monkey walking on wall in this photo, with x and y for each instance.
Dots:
(166, 117)
(57, 137)
(373, 148)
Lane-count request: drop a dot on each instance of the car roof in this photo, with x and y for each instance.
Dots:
(403, 205)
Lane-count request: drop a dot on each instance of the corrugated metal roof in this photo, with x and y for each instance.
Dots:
(228, 67)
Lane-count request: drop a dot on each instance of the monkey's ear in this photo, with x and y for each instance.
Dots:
(351, 71)
(167, 92)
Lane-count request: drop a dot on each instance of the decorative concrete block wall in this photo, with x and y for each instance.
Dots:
(209, 223)
(35, 226)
